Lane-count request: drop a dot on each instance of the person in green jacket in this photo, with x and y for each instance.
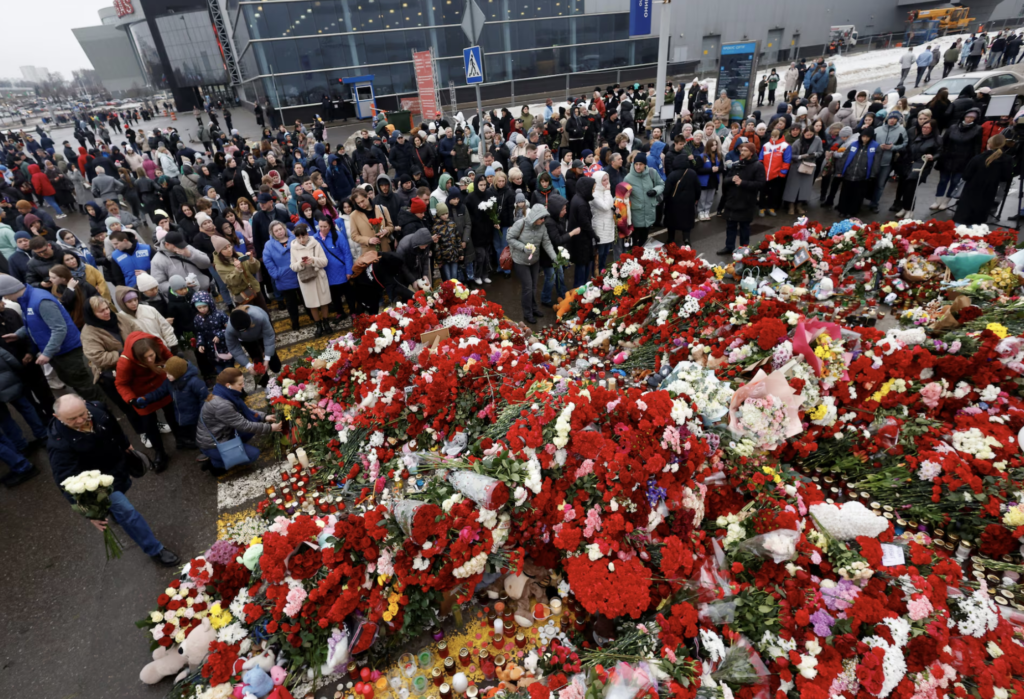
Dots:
(646, 188)
(773, 82)
(8, 245)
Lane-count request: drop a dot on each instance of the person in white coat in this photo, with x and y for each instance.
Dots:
(603, 218)
(792, 79)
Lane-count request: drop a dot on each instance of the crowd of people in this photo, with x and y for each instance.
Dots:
(190, 247)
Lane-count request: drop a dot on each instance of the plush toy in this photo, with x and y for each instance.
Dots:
(457, 444)
(264, 660)
(195, 647)
(256, 681)
(522, 587)
(279, 675)
(166, 662)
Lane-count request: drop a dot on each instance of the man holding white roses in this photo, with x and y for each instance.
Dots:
(84, 435)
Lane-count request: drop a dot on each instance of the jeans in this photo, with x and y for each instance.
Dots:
(11, 455)
(449, 270)
(125, 514)
(52, 201)
(904, 72)
(947, 178)
(28, 412)
(528, 280)
(554, 281)
(883, 179)
(707, 199)
(500, 243)
(218, 463)
(734, 227)
(920, 74)
(582, 274)
(602, 254)
(152, 429)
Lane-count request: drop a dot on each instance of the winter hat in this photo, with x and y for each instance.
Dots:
(176, 367)
(586, 152)
(317, 193)
(23, 234)
(418, 206)
(240, 320)
(878, 92)
(176, 282)
(175, 238)
(202, 217)
(802, 111)
(489, 172)
(520, 197)
(898, 116)
(577, 164)
(441, 208)
(845, 132)
(145, 282)
(220, 244)
(554, 165)
(108, 221)
(264, 197)
(31, 219)
(9, 285)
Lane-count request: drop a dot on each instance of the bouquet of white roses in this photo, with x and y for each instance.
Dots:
(562, 260)
(491, 207)
(91, 491)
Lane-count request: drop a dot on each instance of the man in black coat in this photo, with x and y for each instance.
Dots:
(611, 128)
(582, 246)
(83, 436)
(747, 179)
(402, 155)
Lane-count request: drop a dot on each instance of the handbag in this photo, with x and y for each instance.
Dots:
(806, 167)
(505, 261)
(428, 172)
(232, 451)
(308, 274)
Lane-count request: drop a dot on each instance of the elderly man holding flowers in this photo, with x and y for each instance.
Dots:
(84, 435)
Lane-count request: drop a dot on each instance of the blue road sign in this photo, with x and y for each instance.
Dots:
(474, 65)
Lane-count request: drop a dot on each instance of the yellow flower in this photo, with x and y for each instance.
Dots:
(256, 540)
(819, 413)
(719, 272)
(620, 289)
(393, 608)
(999, 330)
(219, 618)
(1014, 517)
(388, 616)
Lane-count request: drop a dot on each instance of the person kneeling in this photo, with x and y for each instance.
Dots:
(225, 416)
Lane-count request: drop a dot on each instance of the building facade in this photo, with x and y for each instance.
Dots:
(34, 74)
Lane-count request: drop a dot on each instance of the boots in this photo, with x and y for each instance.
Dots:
(801, 209)
(791, 210)
(319, 332)
(943, 203)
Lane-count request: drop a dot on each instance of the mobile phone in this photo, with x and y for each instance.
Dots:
(243, 258)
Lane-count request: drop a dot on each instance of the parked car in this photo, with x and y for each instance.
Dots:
(1008, 80)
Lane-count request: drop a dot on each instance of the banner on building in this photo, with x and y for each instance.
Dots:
(640, 16)
(423, 63)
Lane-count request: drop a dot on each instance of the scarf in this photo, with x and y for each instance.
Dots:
(79, 271)
(110, 325)
(237, 400)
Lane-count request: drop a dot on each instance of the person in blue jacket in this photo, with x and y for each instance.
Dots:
(819, 81)
(339, 262)
(654, 158)
(277, 258)
(131, 256)
(54, 334)
(339, 179)
(189, 392)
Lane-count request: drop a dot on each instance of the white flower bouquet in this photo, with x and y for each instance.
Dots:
(91, 491)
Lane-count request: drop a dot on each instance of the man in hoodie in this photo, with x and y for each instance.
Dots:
(891, 138)
(24, 209)
(386, 196)
(557, 181)
(174, 256)
(17, 262)
(318, 160)
(339, 178)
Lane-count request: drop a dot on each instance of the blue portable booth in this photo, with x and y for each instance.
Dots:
(362, 95)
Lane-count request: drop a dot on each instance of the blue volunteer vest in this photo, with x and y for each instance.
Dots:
(129, 263)
(37, 327)
(854, 149)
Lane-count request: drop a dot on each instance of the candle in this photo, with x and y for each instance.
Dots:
(292, 460)
(459, 683)
(556, 606)
(499, 627)
(301, 454)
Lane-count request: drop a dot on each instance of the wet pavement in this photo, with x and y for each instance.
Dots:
(67, 623)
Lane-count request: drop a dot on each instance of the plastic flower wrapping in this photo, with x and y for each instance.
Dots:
(853, 529)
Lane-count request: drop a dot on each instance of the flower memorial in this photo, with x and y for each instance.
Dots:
(751, 480)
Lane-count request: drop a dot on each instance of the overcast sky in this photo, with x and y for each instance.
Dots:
(56, 48)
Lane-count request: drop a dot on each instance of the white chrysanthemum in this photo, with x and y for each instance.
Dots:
(849, 520)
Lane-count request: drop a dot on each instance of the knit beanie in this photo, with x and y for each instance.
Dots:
(201, 218)
(176, 282)
(441, 208)
(220, 243)
(417, 206)
(145, 282)
(240, 320)
(9, 285)
(111, 220)
(176, 367)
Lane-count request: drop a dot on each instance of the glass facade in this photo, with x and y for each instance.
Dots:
(309, 46)
(149, 57)
(192, 49)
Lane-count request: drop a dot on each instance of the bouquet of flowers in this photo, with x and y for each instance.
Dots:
(91, 491)
(562, 260)
(376, 224)
(490, 206)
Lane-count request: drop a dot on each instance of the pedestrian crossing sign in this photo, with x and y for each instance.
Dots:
(474, 66)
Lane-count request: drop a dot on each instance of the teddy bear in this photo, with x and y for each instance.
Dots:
(166, 662)
(457, 444)
(530, 583)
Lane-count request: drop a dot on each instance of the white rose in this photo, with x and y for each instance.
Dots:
(106, 481)
(91, 484)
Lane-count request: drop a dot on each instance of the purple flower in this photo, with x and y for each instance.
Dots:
(822, 621)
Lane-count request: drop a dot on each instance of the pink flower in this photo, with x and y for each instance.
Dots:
(296, 596)
(919, 608)
(931, 394)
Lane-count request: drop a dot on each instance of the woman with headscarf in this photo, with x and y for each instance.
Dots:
(961, 142)
(75, 260)
(185, 219)
(103, 338)
(278, 187)
(309, 262)
(803, 161)
(148, 317)
(982, 177)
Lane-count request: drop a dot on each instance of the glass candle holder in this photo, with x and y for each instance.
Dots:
(419, 684)
(464, 657)
(449, 666)
(437, 674)
(408, 664)
(442, 649)
(424, 659)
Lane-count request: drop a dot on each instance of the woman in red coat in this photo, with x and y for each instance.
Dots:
(44, 189)
(142, 381)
